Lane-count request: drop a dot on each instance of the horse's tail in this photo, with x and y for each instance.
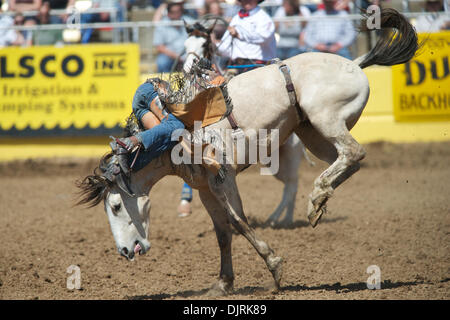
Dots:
(397, 44)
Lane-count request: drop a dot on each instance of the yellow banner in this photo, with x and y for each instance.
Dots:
(72, 85)
(421, 87)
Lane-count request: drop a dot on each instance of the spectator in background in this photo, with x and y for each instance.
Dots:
(160, 12)
(144, 3)
(330, 35)
(20, 6)
(339, 5)
(202, 6)
(155, 3)
(432, 22)
(24, 5)
(169, 40)
(19, 20)
(213, 7)
(58, 5)
(9, 37)
(46, 37)
(291, 34)
(97, 17)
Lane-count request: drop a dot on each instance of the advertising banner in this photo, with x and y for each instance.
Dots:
(77, 86)
(421, 87)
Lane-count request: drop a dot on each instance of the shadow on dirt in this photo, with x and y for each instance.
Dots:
(179, 294)
(352, 287)
(296, 224)
(337, 287)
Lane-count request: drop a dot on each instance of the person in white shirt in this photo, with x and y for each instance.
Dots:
(250, 37)
(9, 37)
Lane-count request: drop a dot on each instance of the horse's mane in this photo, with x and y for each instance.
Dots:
(209, 48)
(94, 187)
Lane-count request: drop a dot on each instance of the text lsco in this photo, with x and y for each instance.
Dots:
(49, 66)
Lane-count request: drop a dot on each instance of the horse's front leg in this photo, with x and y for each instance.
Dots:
(224, 236)
(228, 196)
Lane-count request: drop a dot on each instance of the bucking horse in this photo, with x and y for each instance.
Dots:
(318, 96)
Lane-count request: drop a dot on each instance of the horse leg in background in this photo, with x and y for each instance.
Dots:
(291, 155)
(227, 194)
(330, 141)
(224, 237)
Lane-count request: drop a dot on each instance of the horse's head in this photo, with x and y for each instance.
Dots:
(200, 41)
(129, 219)
(128, 214)
(197, 44)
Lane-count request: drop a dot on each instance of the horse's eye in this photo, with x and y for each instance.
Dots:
(116, 208)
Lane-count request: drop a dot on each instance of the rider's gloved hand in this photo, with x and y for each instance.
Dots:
(122, 147)
(128, 143)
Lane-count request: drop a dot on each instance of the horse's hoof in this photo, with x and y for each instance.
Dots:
(275, 265)
(315, 216)
(220, 289)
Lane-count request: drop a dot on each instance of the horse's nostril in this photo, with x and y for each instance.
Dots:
(124, 251)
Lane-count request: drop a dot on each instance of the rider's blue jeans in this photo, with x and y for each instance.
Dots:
(157, 139)
(143, 96)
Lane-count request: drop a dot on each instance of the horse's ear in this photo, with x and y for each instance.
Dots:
(210, 29)
(189, 29)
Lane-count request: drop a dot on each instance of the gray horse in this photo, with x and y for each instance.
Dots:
(332, 93)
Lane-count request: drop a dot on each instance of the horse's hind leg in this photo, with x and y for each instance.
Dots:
(224, 236)
(227, 194)
(331, 141)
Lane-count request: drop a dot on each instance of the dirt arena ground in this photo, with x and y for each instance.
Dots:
(394, 213)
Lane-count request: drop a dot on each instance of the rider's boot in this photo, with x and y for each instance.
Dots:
(123, 147)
